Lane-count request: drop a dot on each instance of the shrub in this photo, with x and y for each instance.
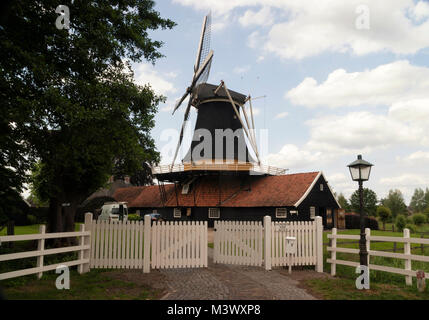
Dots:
(134, 217)
(353, 222)
(384, 213)
(411, 227)
(419, 219)
(409, 220)
(31, 219)
(400, 222)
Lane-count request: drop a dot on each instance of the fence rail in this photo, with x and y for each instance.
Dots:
(407, 256)
(83, 251)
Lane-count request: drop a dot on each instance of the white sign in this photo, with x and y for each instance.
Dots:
(290, 245)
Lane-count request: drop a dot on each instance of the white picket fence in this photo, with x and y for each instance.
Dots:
(305, 233)
(407, 256)
(244, 243)
(238, 242)
(179, 244)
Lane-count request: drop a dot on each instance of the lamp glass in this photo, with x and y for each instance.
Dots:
(354, 172)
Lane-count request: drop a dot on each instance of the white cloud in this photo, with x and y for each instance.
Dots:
(263, 17)
(260, 59)
(415, 158)
(145, 73)
(290, 156)
(311, 27)
(281, 115)
(241, 70)
(383, 85)
(404, 180)
(361, 132)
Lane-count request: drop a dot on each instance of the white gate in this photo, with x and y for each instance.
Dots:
(238, 242)
(251, 243)
(179, 244)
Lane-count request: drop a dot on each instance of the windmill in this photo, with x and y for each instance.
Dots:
(228, 103)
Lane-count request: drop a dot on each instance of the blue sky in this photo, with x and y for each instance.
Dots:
(341, 78)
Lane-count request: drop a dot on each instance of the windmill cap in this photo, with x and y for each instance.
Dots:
(205, 91)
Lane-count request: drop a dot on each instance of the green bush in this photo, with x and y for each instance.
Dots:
(419, 219)
(400, 222)
(134, 217)
(31, 219)
(409, 220)
(411, 227)
(384, 215)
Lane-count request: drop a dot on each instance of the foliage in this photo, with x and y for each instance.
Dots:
(411, 227)
(369, 201)
(419, 219)
(384, 214)
(400, 222)
(343, 202)
(91, 205)
(395, 202)
(134, 217)
(71, 97)
(31, 219)
(418, 202)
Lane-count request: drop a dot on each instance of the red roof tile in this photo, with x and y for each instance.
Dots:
(271, 191)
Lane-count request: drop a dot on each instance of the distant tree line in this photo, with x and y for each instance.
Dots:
(392, 208)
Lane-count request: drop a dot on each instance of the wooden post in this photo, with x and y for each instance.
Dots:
(319, 244)
(394, 246)
(422, 247)
(407, 250)
(10, 231)
(41, 247)
(368, 243)
(87, 241)
(81, 252)
(147, 237)
(267, 242)
(333, 252)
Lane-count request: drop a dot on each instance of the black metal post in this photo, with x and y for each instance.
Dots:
(363, 253)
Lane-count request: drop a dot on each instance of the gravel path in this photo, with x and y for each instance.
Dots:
(231, 282)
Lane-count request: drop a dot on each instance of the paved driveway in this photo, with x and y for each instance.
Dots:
(231, 282)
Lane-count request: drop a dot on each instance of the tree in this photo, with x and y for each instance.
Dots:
(419, 219)
(369, 201)
(400, 222)
(418, 201)
(395, 202)
(384, 214)
(70, 98)
(343, 202)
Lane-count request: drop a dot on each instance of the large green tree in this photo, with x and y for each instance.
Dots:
(343, 202)
(395, 202)
(369, 201)
(69, 97)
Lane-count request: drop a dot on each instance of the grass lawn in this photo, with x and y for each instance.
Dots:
(95, 285)
(34, 228)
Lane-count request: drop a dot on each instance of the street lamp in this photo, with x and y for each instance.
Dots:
(360, 171)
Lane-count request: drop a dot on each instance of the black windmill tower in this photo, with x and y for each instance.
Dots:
(219, 147)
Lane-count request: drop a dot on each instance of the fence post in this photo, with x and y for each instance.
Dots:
(267, 242)
(319, 244)
(87, 242)
(41, 247)
(147, 237)
(407, 250)
(368, 243)
(81, 252)
(422, 247)
(333, 252)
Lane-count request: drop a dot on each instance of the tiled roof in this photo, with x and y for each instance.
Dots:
(271, 191)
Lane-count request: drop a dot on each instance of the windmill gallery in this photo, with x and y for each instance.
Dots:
(219, 177)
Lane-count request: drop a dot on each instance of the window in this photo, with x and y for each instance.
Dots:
(214, 213)
(154, 211)
(328, 216)
(321, 187)
(281, 212)
(177, 213)
(312, 212)
(294, 212)
(188, 212)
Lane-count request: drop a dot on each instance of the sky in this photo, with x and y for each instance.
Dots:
(340, 78)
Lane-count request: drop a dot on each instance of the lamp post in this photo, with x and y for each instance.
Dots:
(360, 171)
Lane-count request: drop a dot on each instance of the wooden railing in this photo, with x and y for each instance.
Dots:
(407, 256)
(261, 169)
(83, 248)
